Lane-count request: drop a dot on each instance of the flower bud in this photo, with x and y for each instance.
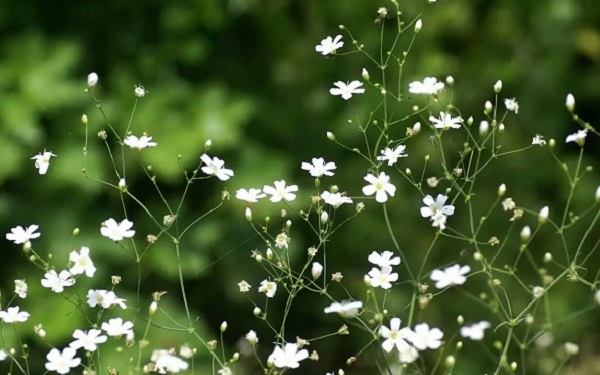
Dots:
(330, 136)
(122, 185)
(513, 366)
(501, 128)
(257, 311)
(223, 326)
(470, 121)
(269, 254)
(153, 308)
(75, 232)
(416, 128)
(316, 270)
(570, 103)
(543, 216)
(460, 320)
(207, 144)
(365, 75)
(324, 217)
(367, 280)
(450, 81)
(498, 87)
(501, 190)
(248, 214)
(525, 233)
(92, 79)
(418, 25)
(598, 194)
(450, 361)
(84, 119)
(547, 257)
(235, 357)
(484, 127)
(488, 107)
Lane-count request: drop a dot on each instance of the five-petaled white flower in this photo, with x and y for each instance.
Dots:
(446, 121)
(82, 263)
(13, 315)
(57, 281)
(385, 259)
(347, 89)
(139, 143)
(511, 105)
(282, 241)
(104, 298)
(429, 86)
(116, 327)
(117, 232)
(168, 363)
(335, 199)
(453, 275)
(329, 45)
(392, 155)
(319, 168)
(250, 195)
(578, 137)
(19, 235)
(21, 288)
(268, 287)
(382, 277)
(215, 166)
(281, 191)
(87, 340)
(423, 337)
(394, 336)
(62, 362)
(42, 161)
(475, 331)
(436, 210)
(289, 356)
(347, 309)
(380, 186)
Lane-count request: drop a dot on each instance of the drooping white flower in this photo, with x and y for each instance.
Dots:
(250, 195)
(42, 161)
(215, 167)
(21, 288)
(392, 155)
(319, 168)
(288, 357)
(281, 191)
(335, 199)
(88, 340)
(19, 235)
(117, 327)
(423, 337)
(139, 91)
(57, 281)
(385, 259)
(380, 186)
(139, 143)
(62, 362)
(347, 89)
(166, 362)
(92, 79)
(475, 331)
(14, 315)
(82, 263)
(394, 336)
(578, 137)
(268, 287)
(429, 86)
(446, 121)
(382, 277)
(511, 105)
(117, 231)
(453, 275)
(347, 309)
(329, 45)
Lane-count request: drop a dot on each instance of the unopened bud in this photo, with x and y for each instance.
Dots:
(207, 145)
(450, 81)
(498, 87)
(416, 128)
(547, 258)
(450, 361)
(501, 190)
(570, 103)
(269, 254)
(84, 119)
(330, 136)
(525, 233)
(598, 194)
(223, 326)
(122, 185)
(257, 311)
(365, 75)
(153, 308)
(484, 128)
(418, 25)
(501, 128)
(248, 214)
(324, 217)
(316, 270)
(92, 79)
(488, 107)
(543, 216)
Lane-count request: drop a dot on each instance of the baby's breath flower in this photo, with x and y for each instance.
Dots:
(268, 287)
(429, 86)
(511, 105)
(21, 288)
(42, 161)
(446, 121)
(316, 270)
(346, 90)
(570, 103)
(346, 309)
(252, 337)
(380, 186)
(244, 286)
(578, 137)
(329, 45)
(498, 87)
(139, 91)
(337, 277)
(508, 204)
(92, 79)
(475, 331)
(453, 275)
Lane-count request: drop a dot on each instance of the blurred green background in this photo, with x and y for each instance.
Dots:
(244, 74)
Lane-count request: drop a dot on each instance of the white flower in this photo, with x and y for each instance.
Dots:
(453, 275)
(252, 337)
(382, 278)
(385, 259)
(82, 262)
(139, 91)
(57, 282)
(3, 355)
(42, 161)
(380, 186)
(578, 137)
(382, 11)
(92, 79)
(511, 105)
(116, 327)
(537, 291)
(244, 286)
(346, 89)
(117, 232)
(268, 287)
(19, 235)
(167, 362)
(571, 348)
(423, 337)
(394, 336)
(329, 45)
(215, 166)
(281, 192)
(538, 140)
(335, 199)
(104, 298)
(498, 86)
(436, 210)
(429, 86)
(475, 331)
(392, 155)
(288, 356)
(446, 121)
(316, 270)
(89, 341)
(225, 371)
(319, 168)
(13, 315)
(186, 352)
(281, 241)
(139, 143)
(438, 220)
(508, 204)
(419, 26)
(408, 354)
(62, 362)
(570, 102)
(250, 196)
(21, 288)
(346, 309)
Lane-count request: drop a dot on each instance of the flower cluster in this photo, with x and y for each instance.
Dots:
(383, 276)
